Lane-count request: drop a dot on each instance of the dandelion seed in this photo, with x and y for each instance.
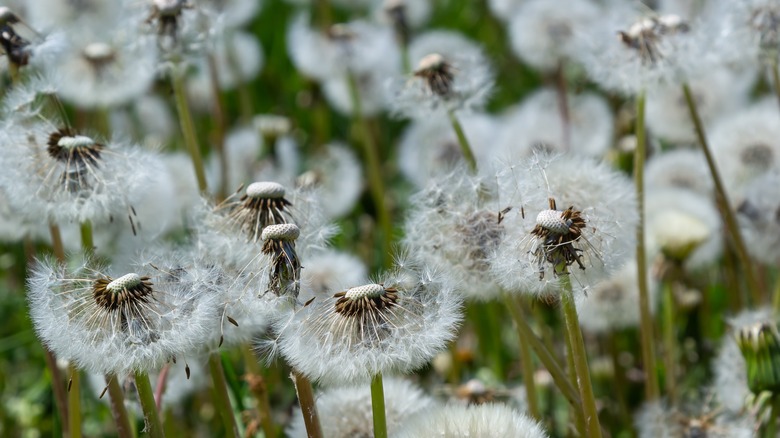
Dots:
(379, 328)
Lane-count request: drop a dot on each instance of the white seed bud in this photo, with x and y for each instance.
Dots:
(281, 232)
(127, 281)
(76, 141)
(265, 190)
(431, 61)
(552, 221)
(98, 51)
(365, 291)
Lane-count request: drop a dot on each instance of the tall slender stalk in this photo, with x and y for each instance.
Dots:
(526, 363)
(221, 397)
(463, 142)
(60, 396)
(56, 243)
(652, 391)
(74, 402)
(188, 127)
(308, 406)
(378, 407)
(118, 410)
(580, 359)
(374, 171)
(545, 356)
(571, 369)
(259, 389)
(725, 206)
(87, 240)
(563, 105)
(153, 425)
(670, 345)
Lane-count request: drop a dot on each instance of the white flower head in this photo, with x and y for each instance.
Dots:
(457, 421)
(104, 67)
(751, 29)
(346, 412)
(335, 177)
(679, 169)
(746, 145)
(656, 420)
(429, 146)
(118, 324)
(628, 52)
(443, 83)
(536, 125)
(759, 214)
(455, 225)
(683, 226)
(571, 216)
(395, 326)
(716, 93)
(62, 175)
(542, 34)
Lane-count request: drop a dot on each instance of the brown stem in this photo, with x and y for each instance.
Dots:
(308, 405)
(159, 389)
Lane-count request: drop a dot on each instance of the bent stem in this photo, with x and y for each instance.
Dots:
(74, 403)
(725, 206)
(526, 361)
(580, 359)
(118, 410)
(188, 128)
(221, 397)
(308, 407)
(652, 391)
(152, 423)
(463, 141)
(374, 170)
(545, 356)
(378, 407)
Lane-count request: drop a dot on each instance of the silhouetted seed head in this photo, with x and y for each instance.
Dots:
(437, 72)
(396, 11)
(123, 293)
(367, 301)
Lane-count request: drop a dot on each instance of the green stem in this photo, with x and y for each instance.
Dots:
(60, 397)
(527, 365)
(374, 170)
(87, 240)
(308, 407)
(221, 397)
(465, 147)
(545, 356)
(670, 356)
(652, 391)
(118, 410)
(571, 369)
(74, 403)
(188, 128)
(378, 407)
(725, 206)
(580, 359)
(259, 389)
(620, 380)
(152, 423)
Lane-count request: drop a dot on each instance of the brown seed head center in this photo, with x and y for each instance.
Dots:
(362, 301)
(121, 293)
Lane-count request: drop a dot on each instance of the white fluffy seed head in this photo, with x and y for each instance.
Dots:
(76, 141)
(168, 7)
(98, 51)
(431, 61)
(552, 220)
(127, 281)
(365, 291)
(265, 189)
(281, 232)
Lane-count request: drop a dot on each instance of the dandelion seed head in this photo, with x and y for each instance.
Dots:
(759, 214)
(402, 400)
(392, 326)
(679, 169)
(694, 419)
(459, 421)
